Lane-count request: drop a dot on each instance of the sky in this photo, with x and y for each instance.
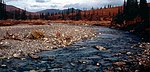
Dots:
(38, 5)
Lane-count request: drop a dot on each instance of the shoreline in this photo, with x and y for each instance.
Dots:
(61, 39)
(23, 40)
(45, 22)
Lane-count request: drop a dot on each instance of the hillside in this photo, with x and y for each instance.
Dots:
(50, 11)
(57, 10)
(10, 8)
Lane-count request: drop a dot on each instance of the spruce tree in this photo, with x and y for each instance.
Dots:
(131, 9)
(62, 16)
(3, 14)
(1, 10)
(78, 15)
(144, 12)
(72, 11)
(23, 15)
(145, 24)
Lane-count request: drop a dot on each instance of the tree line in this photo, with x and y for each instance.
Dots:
(68, 14)
(135, 18)
(16, 14)
(132, 10)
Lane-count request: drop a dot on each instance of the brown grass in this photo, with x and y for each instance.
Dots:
(36, 34)
(15, 22)
(44, 22)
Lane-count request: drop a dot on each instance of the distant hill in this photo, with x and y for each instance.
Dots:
(57, 10)
(10, 8)
(50, 11)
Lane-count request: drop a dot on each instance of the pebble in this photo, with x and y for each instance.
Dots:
(51, 58)
(129, 53)
(34, 56)
(100, 33)
(84, 62)
(119, 63)
(97, 64)
(43, 61)
(23, 58)
(137, 71)
(3, 66)
(72, 64)
(86, 36)
(1, 43)
(100, 48)
(16, 55)
(32, 71)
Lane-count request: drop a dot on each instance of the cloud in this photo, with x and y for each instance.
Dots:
(42, 1)
(37, 5)
(94, 3)
(11, 0)
(53, 6)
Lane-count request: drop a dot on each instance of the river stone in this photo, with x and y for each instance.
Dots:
(32, 71)
(119, 63)
(129, 53)
(98, 64)
(16, 55)
(100, 48)
(3, 66)
(33, 56)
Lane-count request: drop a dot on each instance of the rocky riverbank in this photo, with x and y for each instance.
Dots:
(110, 51)
(26, 40)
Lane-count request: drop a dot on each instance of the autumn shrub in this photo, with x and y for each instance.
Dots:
(36, 34)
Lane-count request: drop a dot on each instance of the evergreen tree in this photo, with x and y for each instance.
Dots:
(84, 15)
(92, 8)
(62, 16)
(118, 19)
(30, 16)
(72, 11)
(78, 15)
(42, 16)
(144, 12)
(3, 12)
(131, 9)
(23, 15)
(68, 11)
(47, 16)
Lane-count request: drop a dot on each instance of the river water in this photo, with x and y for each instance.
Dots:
(81, 56)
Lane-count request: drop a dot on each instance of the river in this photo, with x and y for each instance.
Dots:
(82, 56)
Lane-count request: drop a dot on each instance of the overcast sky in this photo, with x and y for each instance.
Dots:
(37, 5)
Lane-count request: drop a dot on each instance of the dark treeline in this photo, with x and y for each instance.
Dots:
(16, 14)
(3, 14)
(132, 10)
(135, 17)
(76, 14)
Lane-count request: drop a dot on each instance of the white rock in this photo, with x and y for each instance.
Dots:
(23, 58)
(100, 48)
(32, 71)
(83, 62)
(16, 55)
(86, 36)
(129, 53)
(3, 65)
(97, 64)
(1, 43)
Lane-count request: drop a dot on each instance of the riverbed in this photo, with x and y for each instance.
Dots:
(120, 54)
